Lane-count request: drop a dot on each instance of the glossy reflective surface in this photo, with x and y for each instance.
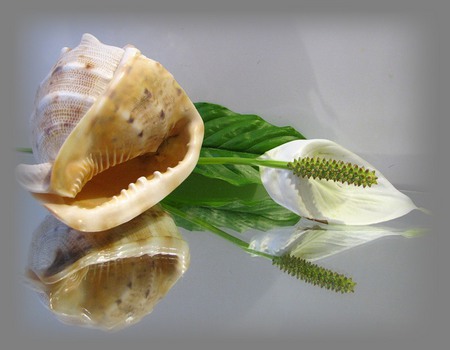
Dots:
(349, 79)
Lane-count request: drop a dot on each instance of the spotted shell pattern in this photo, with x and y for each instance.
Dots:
(109, 279)
(77, 79)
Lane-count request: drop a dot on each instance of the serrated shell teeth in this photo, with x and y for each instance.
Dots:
(142, 180)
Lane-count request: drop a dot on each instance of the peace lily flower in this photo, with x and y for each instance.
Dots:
(329, 183)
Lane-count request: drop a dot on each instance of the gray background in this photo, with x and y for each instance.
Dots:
(364, 78)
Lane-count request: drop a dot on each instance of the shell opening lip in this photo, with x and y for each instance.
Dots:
(123, 177)
(125, 190)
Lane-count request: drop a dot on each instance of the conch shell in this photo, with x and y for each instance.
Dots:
(112, 132)
(109, 279)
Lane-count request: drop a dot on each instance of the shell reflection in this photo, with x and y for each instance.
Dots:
(109, 279)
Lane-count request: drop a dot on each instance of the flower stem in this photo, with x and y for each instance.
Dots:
(24, 150)
(243, 161)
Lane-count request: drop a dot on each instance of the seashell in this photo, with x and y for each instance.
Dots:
(113, 133)
(109, 279)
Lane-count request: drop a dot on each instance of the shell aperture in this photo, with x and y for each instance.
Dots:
(136, 136)
(109, 279)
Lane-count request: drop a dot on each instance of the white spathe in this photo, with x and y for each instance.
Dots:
(327, 200)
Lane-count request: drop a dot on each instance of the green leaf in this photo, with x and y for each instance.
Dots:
(249, 133)
(239, 221)
(225, 205)
(232, 196)
(228, 133)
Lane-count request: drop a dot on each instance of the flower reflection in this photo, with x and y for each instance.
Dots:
(109, 279)
(313, 240)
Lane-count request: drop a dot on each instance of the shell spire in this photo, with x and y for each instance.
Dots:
(78, 78)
